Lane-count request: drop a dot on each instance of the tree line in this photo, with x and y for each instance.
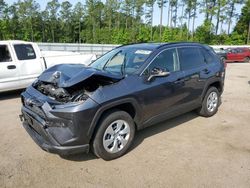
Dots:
(125, 21)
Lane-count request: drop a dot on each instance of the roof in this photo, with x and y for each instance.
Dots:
(14, 42)
(152, 46)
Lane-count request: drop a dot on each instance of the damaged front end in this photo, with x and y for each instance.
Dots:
(58, 109)
(60, 94)
(72, 83)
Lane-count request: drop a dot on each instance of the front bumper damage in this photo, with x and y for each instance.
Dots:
(37, 131)
(62, 131)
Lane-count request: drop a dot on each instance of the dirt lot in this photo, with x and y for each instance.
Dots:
(188, 151)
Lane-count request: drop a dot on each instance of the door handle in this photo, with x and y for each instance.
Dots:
(206, 71)
(11, 67)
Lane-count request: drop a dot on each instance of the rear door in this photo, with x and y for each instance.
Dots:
(196, 71)
(29, 63)
(9, 73)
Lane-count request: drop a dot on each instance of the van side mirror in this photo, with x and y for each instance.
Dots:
(157, 72)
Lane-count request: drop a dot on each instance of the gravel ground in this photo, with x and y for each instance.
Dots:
(187, 151)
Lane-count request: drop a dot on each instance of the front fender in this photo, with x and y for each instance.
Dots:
(110, 105)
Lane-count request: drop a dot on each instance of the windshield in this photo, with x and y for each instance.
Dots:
(122, 60)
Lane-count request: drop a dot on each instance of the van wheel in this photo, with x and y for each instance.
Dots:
(247, 59)
(114, 136)
(210, 103)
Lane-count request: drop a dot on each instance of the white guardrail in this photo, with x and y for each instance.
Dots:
(229, 46)
(100, 49)
(97, 49)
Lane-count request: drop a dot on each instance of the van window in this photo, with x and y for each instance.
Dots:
(24, 51)
(190, 57)
(4, 54)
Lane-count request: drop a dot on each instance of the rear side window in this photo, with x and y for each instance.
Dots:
(24, 51)
(190, 57)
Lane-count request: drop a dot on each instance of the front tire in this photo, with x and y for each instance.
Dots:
(210, 103)
(114, 135)
(247, 59)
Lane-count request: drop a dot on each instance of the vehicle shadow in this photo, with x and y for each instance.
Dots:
(10, 94)
(141, 135)
(79, 157)
(161, 127)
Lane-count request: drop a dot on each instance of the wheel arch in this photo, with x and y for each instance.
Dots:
(129, 105)
(213, 83)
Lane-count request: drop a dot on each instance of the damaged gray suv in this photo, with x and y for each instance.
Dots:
(74, 108)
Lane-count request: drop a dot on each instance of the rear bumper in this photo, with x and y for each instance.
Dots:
(37, 129)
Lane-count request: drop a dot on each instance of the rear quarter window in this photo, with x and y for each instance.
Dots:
(24, 51)
(209, 56)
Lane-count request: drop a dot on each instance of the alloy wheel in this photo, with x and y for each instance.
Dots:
(212, 101)
(116, 136)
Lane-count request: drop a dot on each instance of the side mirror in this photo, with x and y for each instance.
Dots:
(157, 72)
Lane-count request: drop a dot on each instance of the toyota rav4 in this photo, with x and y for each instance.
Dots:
(76, 108)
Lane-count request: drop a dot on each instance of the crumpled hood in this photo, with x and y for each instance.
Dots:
(67, 75)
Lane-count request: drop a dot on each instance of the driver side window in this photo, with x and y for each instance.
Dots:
(167, 60)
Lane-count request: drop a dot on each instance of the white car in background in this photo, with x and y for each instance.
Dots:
(22, 62)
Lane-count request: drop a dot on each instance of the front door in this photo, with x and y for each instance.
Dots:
(9, 70)
(162, 95)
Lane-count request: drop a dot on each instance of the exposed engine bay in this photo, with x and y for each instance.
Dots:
(61, 94)
(66, 88)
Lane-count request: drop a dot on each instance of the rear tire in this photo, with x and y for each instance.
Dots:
(247, 59)
(210, 103)
(114, 136)
(223, 59)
